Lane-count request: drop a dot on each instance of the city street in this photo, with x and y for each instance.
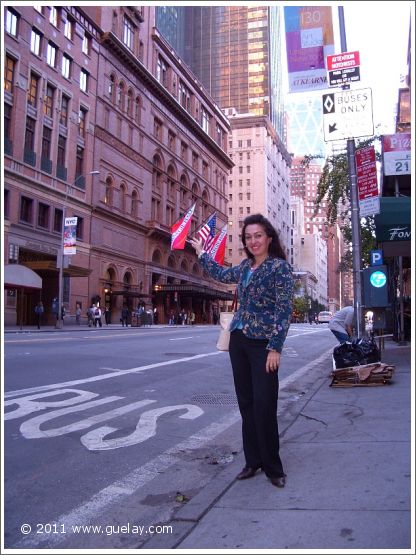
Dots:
(119, 427)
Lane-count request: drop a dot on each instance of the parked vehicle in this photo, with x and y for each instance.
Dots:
(324, 317)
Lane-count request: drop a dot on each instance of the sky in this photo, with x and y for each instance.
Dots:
(380, 32)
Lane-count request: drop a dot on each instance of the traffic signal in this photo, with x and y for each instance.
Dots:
(375, 286)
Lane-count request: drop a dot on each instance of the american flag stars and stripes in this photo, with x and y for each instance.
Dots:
(207, 232)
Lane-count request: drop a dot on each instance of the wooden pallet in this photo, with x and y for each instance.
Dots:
(376, 373)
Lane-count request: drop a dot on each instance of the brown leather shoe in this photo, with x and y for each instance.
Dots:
(279, 482)
(247, 472)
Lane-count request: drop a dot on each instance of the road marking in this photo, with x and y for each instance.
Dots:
(182, 338)
(130, 484)
(114, 374)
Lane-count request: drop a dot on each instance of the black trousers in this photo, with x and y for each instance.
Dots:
(257, 393)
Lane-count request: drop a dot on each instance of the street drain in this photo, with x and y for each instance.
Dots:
(215, 399)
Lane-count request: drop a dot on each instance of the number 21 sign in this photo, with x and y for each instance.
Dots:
(396, 154)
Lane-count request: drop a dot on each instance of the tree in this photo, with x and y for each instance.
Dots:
(334, 188)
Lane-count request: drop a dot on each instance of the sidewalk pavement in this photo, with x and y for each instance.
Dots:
(347, 454)
(82, 327)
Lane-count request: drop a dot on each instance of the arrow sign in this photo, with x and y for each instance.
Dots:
(347, 114)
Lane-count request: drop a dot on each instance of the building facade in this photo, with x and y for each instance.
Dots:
(117, 133)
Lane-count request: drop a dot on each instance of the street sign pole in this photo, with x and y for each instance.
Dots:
(355, 220)
(356, 234)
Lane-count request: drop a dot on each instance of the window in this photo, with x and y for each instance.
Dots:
(157, 129)
(68, 30)
(6, 203)
(32, 93)
(30, 134)
(171, 140)
(26, 210)
(57, 220)
(218, 134)
(240, 144)
(130, 102)
(46, 142)
(7, 122)
(48, 104)
(82, 116)
(35, 40)
(11, 22)
(248, 142)
(184, 152)
(9, 74)
(83, 80)
(128, 33)
(204, 120)
(53, 16)
(161, 71)
(66, 66)
(195, 161)
(63, 117)
(51, 54)
(138, 110)
(43, 215)
(184, 96)
(38, 8)
(248, 169)
(134, 204)
(86, 44)
(120, 95)
(111, 87)
(79, 163)
(61, 151)
(80, 228)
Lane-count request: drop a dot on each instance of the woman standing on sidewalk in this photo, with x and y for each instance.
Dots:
(258, 331)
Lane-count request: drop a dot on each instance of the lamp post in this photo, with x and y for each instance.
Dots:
(59, 319)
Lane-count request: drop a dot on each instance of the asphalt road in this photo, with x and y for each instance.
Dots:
(118, 428)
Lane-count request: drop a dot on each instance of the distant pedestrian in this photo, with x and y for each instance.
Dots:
(97, 317)
(107, 315)
(125, 316)
(78, 315)
(39, 310)
(341, 324)
(90, 315)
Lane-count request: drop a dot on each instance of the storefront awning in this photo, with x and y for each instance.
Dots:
(17, 276)
(393, 226)
(192, 290)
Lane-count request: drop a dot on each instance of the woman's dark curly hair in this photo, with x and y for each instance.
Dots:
(275, 248)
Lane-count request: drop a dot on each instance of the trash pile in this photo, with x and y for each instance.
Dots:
(358, 363)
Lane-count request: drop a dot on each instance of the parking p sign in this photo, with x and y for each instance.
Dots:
(376, 258)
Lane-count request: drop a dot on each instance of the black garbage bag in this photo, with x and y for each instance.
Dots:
(356, 353)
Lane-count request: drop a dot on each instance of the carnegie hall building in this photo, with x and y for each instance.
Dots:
(104, 122)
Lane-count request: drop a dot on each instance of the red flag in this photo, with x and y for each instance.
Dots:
(217, 251)
(180, 229)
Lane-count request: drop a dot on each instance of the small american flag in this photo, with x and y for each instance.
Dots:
(207, 231)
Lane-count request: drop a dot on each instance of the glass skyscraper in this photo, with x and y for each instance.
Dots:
(235, 51)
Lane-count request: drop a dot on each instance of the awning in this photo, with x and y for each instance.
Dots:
(17, 276)
(393, 226)
(394, 221)
(192, 290)
(50, 266)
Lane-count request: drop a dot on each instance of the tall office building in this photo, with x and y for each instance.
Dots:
(234, 51)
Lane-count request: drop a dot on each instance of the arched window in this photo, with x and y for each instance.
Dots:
(205, 205)
(184, 266)
(111, 87)
(135, 204)
(130, 103)
(123, 193)
(157, 174)
(171, 262)
(138, 110)
(120, 95)
(195, 269)
(108, 198)
(157, 257)
(171, 182)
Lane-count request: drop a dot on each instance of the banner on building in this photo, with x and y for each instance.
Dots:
(70, 235)
(180, 229)
(309, 40)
